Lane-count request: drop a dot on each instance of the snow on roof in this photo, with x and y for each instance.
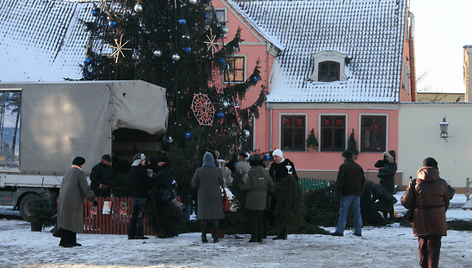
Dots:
(42, 40)
(369, 31)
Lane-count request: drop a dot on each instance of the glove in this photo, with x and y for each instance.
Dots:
(95, 203)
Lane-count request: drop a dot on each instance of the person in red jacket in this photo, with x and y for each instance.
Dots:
(430, 196)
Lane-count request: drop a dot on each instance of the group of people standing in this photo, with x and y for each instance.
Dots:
(258, 183)
(74, 188)
(157, 174)
(428, 194)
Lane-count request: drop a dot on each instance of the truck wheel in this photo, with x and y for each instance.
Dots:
(25, 205)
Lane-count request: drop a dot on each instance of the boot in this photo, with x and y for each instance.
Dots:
(204, 233)
(215, 231)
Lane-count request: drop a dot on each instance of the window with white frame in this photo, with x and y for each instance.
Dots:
(293, 132)
(329, 66)
(333, 133)
(373, 133)
(221, 15)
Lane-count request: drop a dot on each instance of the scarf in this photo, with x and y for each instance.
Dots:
(75, 166)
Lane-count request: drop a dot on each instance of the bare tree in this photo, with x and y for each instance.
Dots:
(432, 97)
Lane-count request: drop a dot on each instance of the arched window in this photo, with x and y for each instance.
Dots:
(329, 66)
(328, 71)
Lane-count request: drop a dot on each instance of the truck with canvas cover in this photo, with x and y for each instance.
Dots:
(44, 125)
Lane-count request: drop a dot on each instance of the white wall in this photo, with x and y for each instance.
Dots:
(419, 138)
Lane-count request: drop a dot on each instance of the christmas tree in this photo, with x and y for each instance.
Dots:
(180, 46)
(352, 144)
(177, 45)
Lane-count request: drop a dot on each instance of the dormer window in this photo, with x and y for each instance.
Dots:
(329, 66)
(328, 71)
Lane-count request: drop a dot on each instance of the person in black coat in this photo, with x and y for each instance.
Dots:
(278, 170)
(142, 183)
(387, 170)
(164, 179)
(375, 198)
(349, 185)
(101, 176)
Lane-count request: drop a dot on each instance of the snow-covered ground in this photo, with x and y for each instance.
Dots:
(392, 246)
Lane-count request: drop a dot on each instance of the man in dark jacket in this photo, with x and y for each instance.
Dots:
(278, 170)
(387, 170)
(101, 176)
(142, 183)
(349, 185)
(164, 179)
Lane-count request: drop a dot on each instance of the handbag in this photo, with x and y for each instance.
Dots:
(408, 216)
(226, 203)
(451, 190)
(166, 194)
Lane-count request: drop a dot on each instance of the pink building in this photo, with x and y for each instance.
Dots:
(334, 67)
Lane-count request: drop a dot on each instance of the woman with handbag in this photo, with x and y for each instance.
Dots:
(258, 183)
(430, 196)
(208, 179)
(164, 180)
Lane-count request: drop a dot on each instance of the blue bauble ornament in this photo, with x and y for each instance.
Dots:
(182, 21)
(112, 24)
(220, 115)
(255, 79)
(222, 60)
(95, 12)
(87, 61)
(187, 134)
(187, 49)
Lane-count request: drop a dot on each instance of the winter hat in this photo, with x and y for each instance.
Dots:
(430, 162)
(78, 161)
(163, 158)
(208, 160)
(278, 152)
(255, 160)
(137, 158)
(165, 148)
(347, 154)
(106, 157)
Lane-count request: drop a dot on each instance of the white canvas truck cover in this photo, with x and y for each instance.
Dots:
(62, 120)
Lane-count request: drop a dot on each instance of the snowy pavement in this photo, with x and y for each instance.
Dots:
(392, 246)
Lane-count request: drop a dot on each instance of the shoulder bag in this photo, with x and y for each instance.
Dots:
(166, 194)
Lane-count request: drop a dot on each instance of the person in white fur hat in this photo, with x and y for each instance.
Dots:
(279, 169)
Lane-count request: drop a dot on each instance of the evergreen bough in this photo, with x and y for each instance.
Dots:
(352, 144)
(290, 209)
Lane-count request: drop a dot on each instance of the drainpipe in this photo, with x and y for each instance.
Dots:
(270, 126)
(412, 58)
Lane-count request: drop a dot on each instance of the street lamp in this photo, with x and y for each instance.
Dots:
(443, 126)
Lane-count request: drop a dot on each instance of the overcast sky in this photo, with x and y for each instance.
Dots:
(442, 30)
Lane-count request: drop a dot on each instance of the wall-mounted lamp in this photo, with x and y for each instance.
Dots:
(443, 126)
